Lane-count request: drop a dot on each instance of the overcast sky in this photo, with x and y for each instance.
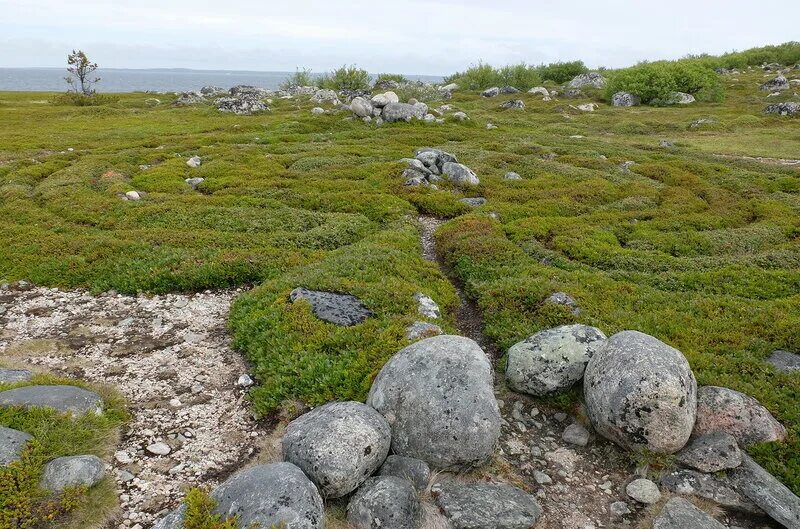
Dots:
(407, 36)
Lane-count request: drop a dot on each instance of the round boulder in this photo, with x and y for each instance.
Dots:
(743, 417)
(437, 395)
(72, 471)
(361, 107)
(551, 360)
(386, 502)
(338, 445)
(641, 393)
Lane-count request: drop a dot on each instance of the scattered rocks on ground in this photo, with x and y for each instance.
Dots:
(783, 361)
(486, 505)
(422, 329)
(514, 103)
(790, 108)
(564, 299)
(12, 443)
(437, 395)
(643, 491)
(552, 360)
(625, 99)
(763, 489)
(339, 309)
(426, 306)
(9, 376)
(338, 445)
(415, 470)
(743, 417)
(72, 471)
(641, 393)
(591, 79)
(779, 83)
(576, 434)
(473, 201)
(385, 502)
(711, 453)
(69, 399)
(680, 514)
(694, 483)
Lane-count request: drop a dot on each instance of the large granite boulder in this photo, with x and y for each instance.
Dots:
(680, 514)
(67, 399)
(437, 395)
(552, 360)
(625, 99)
(385, 502)
(459, 174)
(339, 309)
(242, 106)
(12, 443)
(789, 108)
(403, 112)
(276, 495)
(486, 505)
(361, 107)
(725, 410)
(591, 79)
(338, 445)
(763, 489)
(777, 84)
(72, 471)
(641, 393)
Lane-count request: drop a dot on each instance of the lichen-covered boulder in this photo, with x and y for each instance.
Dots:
(415, 470)
(65, 399)
(551, 360)
(437, 395)
(460, 174)
(725, 410)
(339, 309)
(641, 393)
(711, 453)
(624, 99)
(591, 79)
(779, 83)
(486, 505)
(9, 375)
(403, 112)
(12, 443)
(693, 483)
(361, 107)
(783, 361)
(789, 108)
(763, 489)
(338, 445)
(71, 471)
(385, 502)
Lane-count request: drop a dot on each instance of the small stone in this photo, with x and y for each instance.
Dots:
(473, 201)
(422, 329)
(541, 478)
(460, 116)
(317, 111)
(619, 508)
(560, 416)
(123, 457)
(194, 162)
(680, 514)
(783, 361)
(194, 182)
(643, 491)
(71, 471)
(10, 376)
(711, 453)
(427, 307)
(245, 381)
(576, 434)
(512, 176)
(339, 309)
(159, 449)
(133, 195)
(12, 443)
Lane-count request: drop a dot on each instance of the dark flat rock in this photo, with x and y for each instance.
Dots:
(784, 361)
(12, 443)
(62, 398)
(486, 505)
(711, 453)
(694, 483)
(680, 514)
(339, 309)
(8, 375)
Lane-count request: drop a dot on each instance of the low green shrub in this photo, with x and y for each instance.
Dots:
(654, 82)
(396, 77)
(301, 77)
(345, 78)
(561, 72)
(200, 512)
(82, 100)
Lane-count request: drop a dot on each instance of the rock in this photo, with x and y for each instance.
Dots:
(247, 91)
(414, 470)
(783, 361)
(339, 309)
(574, 93)
(486, 506)
(790, 108)
(422, 329)
(562, 298)
(12, 443)
(696, 124)
(189, 98)
(643, 491)
(552, 360)
(777, 84)
(725, 410)
(587, 107)
(473, 201)
(385, 502)
(460, 116)
(680, 98)
(625, 99)
(539, 90)
(72, 471)
(429, 118)
(194, 182)
(361, 107)
(691, 482)
(323, 96)
(9, 376)
(491, 92)
(509, 90)
(66, 399)
(711, 453)
(576, 434)
(417, 165)
(426, 306)
(459, 174)
(194, 162)
(591, 79)
(317, 111)
(434, 158)
(452, 87)
(437, 395)
(516, 103)
(404, 112)
(240, 105)
(619, 508)
(245, 381)
(666, 144)
(641, 393)
(763, 489)
(338, 445)
(133, 195)
(680, 514)
(541, 478)
(512, 176)
(159, 449)
(123, 457)
(211, 91)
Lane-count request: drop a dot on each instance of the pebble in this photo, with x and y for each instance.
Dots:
(643, 491)
(159, 449)
(541, 478)
(576, 434)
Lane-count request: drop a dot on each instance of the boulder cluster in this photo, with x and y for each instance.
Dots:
(433, 165)
(387, 107)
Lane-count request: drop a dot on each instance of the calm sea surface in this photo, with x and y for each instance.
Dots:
(158, 80)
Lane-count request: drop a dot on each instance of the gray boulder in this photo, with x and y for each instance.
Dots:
(276, 495)
(67, 399)
(338, 445)
(711, 453)
(680, 98)
(72, 471)
(486, 506)
(434, 157)
(512, 176)
(625, 99)
(763, 489)
(576, 434)
(509, 90)
(473, 201)
(693, 483)
(643, 491)
(779, 83)
(782, 361)
(591, 79)
(385, 502)
(790, 108)
(680, 514)
(248, 91)
(242, 106)
(459, 174)
(641, 393)
(491, 92)
(437, 395)
(422, 329)
(195, 182)
(323, 96)
(725, 410)
(414, 470)
(211, 91)
(540, 90)
(189, 98)
(403, 112)
(564, 299)
(9, 376)
(361, 107)
(552, 360)
(515, 103)
(12, 443)
(339, 309)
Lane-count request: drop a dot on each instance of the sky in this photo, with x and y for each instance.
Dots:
(401, 36)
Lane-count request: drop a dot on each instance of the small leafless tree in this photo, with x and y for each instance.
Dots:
(81, 73)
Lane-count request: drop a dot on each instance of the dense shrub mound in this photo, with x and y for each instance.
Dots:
(655, 82)
(521, 76)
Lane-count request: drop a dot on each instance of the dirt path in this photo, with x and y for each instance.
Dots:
(169, 356)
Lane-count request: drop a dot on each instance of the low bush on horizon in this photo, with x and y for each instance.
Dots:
(521, 76)
(654, 82)
(301, 77)
(345, 78)
(396, 77)
(561, 72)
